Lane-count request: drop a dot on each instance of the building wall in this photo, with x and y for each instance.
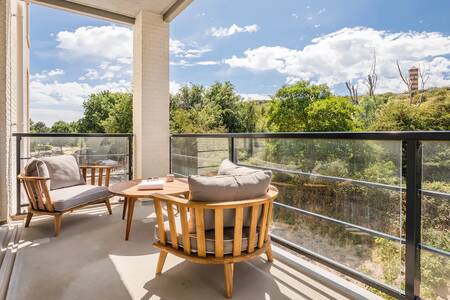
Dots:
(151, 95)
(11, 86)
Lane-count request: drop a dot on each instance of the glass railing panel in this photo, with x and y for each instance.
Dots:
(198, 156)
(435, 231)
(353, 187)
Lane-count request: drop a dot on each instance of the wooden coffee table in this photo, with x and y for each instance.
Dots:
(129, 190)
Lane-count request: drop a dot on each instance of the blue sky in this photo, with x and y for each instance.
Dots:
(257, 45)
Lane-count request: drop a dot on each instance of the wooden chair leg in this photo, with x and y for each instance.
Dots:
(28, 219)
(269, 253)
(161, 261)
(57, 222)
(108, 206)
(125, 203)
(229, 270)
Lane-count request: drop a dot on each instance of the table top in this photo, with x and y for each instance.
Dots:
(129, 188)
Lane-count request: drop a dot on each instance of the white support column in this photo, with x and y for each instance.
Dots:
(3, 109)
(151, 95)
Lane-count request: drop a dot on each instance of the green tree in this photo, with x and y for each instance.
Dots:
(61, 127)
(332, 114)
(100, 106)
(38, 127)
(223, 97)
(287, 110)
(120, 119)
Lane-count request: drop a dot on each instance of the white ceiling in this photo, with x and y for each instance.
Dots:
(128, 7)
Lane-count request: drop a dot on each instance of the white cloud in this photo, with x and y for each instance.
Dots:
(221, 32)
(253, 97)
(110, 42)
(174, 87)
(51, 115)
(46, 74)
(185, 63)
(106, 71)
(69, 94)
(321, 11)
(180, 49)
(294, 15)
(317, 26)
(347, 54)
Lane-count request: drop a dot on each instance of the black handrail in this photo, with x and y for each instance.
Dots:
(412, 141)
(375, 135)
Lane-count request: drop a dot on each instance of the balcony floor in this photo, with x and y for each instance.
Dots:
(90, 259)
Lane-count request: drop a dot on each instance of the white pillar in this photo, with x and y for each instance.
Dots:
(151, 95)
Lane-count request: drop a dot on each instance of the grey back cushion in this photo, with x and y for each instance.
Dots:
(37, 168)
(63, 171)
(227, 188)
(229, 168)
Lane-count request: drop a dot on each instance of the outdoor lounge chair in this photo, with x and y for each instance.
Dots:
(56, 185)
(217, 232)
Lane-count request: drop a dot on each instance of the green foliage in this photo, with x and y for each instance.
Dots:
(331, 114)
(287, 109)
(217, 108)
(62, 127)
(398, 114)
(38, 127)
(107, 112)
(120, 118)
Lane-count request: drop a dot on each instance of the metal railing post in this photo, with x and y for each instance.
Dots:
(170, 155)
(130, 157)
(18, 166)
(413, 218)
(232, 149)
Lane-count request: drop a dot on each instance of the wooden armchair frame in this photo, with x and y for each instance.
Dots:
(40, 200)
(182, 206)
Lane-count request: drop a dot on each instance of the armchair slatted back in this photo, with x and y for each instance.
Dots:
(257, 232)
(101, 171)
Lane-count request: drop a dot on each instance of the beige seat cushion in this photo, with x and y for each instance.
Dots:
(70, 197)
(228, 235)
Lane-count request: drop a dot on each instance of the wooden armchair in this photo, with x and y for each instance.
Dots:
(212, 246)
(42, 201)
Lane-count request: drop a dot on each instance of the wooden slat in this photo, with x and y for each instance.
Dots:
(93, 175)
(263, 225)
(160, 219)
(100, 177)
(269, 221)
(108, 174)
(185, 229)
(238, 222)
(218, 231)
(84, 171)
(172, 226)
(200, 231)
(48, 199)
(30, 194)
(252, 233)
(38, 192)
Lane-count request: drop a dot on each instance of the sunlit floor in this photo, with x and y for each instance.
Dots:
(91, 260)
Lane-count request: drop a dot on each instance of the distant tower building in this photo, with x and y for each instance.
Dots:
(414, 79)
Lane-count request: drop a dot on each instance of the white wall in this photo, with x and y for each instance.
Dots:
(13, 63)
(151, 95)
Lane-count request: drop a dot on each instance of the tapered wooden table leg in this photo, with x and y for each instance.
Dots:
(125, 203)
(130, 208)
